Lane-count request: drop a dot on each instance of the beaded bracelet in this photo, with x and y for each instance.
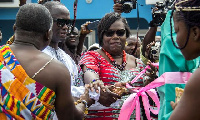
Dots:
(94, 80)
(85, 103)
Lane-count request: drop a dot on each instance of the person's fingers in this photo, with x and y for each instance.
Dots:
(120, 84)
(151, 74)
(118, 5)
(149, 62)
(103, 88)
(96, 88)
(107, 89)
(173, 104)
(87, 89)
(123, 84)
(117, 84)
(149, 70)
(153, 43)
(115, 95)
(130, 83)
(91, 87)
(111, 87)
(152, 66)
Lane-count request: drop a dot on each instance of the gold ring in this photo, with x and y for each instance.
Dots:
(152, 72)
(114, 98)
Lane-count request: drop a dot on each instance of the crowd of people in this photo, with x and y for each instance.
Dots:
(46, 74)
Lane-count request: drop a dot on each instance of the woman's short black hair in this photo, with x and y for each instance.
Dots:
(107, 21)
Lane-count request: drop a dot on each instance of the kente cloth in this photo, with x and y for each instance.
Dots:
(171, 60)
(64, 58)
(21, 96)
(109, 75)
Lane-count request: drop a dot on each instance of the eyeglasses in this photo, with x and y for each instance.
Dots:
(110, 33)
(62, 22)
(72, 33)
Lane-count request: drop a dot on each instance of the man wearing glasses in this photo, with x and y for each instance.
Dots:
(61, 27)
(70, 45)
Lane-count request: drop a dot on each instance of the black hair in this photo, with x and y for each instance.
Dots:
(33, 17)
(107, 21)
(186, 12)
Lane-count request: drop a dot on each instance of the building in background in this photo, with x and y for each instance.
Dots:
(87, 10)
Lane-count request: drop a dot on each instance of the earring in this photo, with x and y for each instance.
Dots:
(126, 43)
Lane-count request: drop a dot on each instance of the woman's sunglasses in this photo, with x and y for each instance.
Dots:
(62, 22)
(110, 33)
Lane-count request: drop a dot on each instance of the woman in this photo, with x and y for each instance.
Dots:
(187, 27)
(110, 64)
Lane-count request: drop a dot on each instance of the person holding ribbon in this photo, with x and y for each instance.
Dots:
(112, 65)
(33, 84)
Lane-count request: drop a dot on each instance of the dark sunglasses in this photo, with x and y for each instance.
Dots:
(72, 33)
(110, 33)
(62, 22)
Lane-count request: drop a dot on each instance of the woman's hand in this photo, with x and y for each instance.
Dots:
(151, 73)
(86, 97)
(119, 88)
(95, 84)
(108, 97)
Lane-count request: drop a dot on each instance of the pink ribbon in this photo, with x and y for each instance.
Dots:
(132, 102)
(141, 73)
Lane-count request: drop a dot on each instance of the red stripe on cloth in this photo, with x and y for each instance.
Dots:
(48, 95)
(44, 113)
(13, 103)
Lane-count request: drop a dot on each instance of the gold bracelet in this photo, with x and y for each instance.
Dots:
(85, 103)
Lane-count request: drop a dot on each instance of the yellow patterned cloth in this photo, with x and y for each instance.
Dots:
(22, 97)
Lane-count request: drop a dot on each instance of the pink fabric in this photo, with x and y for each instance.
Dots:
(132, 102)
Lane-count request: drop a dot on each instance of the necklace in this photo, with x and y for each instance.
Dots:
(114, 63)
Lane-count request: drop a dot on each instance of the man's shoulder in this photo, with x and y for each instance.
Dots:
(57, 67)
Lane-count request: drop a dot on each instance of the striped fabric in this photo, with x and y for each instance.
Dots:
(109, 75)
(21, 96)
(106, 71)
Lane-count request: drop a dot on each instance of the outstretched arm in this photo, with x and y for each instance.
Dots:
(83, 34)
(65, 106)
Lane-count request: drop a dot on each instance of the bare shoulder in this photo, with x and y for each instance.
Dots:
(57, 71)
(54, 74)
(130, 57)
(131, 61)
